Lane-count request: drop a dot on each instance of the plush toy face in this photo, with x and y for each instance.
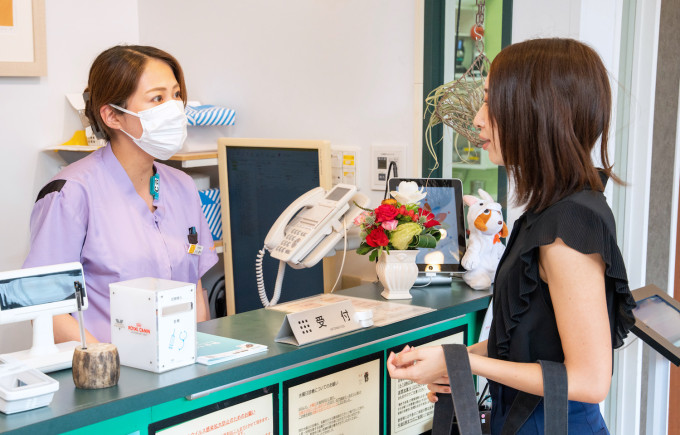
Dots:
(489, 221)
(485, 214)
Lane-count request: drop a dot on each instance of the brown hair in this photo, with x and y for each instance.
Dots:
(114, 76)
(550, 101)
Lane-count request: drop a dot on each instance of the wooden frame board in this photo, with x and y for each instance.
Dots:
(325, 181)
(37, 67)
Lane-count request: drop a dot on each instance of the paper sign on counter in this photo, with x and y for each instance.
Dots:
(318, 323)
(344, 402)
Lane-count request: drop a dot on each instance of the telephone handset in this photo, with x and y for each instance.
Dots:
(277, 233)
(309, 229)
(292, 240)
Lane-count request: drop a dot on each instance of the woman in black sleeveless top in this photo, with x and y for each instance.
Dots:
(561, 292)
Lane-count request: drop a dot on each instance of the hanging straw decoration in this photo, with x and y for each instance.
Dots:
(456, 103)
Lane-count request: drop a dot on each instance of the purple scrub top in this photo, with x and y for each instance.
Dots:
(96, 217)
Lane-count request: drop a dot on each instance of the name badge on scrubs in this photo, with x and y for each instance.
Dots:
(195, 249)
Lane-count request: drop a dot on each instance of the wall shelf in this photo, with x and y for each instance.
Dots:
(196, 159)
(186, 159)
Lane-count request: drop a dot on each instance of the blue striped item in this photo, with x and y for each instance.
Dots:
(210, 115)
(210, 204)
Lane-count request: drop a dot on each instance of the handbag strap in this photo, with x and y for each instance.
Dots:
(555, 402)
(462, 395)
(443, 415)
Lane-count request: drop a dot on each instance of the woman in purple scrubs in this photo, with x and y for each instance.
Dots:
(118, 211)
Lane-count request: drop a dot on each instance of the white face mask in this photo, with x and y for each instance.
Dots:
(164, 129)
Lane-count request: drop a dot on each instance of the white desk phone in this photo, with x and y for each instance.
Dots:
(312, 233)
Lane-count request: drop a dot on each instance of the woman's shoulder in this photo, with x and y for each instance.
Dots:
(582, 220)
(74, 178)
(581, 211)
(82, 169)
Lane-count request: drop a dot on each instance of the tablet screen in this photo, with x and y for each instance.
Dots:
(28, 291)
(660, 316)
(445, 200)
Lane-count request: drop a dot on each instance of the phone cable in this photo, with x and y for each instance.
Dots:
(260, 280)
(344, 253)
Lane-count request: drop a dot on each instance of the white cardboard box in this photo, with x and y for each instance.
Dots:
(153, 323)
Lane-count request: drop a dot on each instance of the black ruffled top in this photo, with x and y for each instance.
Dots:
(524, 328)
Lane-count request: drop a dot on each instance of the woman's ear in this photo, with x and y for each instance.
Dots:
(110, 117)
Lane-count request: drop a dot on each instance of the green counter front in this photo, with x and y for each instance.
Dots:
(143, 400)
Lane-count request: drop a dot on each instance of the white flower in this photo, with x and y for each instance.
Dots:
(408, 193)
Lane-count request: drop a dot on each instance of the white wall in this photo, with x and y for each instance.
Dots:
(545, 18)
(34, 114)
(340, 71)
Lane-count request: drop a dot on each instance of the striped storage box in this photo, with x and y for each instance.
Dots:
(210, 204)
(210, 115)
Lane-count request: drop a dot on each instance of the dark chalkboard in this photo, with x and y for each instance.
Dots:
(259, 178)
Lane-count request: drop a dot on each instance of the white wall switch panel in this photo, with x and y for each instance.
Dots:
(344, 165)
(381, 157)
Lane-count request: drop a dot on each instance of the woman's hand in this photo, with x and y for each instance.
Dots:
(423, 365)
(440, 386)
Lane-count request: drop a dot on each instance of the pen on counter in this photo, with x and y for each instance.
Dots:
(79, 301)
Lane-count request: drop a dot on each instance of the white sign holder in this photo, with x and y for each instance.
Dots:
(318, 323)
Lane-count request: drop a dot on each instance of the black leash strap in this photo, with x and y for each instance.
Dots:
(462, 395)
(443, 415)
(555, 402)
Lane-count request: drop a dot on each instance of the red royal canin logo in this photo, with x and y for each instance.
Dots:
(138, 329)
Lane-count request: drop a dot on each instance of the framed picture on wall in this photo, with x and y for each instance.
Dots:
(22, 38)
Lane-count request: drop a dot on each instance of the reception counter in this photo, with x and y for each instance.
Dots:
(144, 402)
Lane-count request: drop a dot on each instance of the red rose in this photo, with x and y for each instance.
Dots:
(402, 210)
(377, 237)
(385, 212)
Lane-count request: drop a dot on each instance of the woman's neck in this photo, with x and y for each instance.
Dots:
(137, 164)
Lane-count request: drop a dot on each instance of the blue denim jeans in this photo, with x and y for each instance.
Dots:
(584, 418)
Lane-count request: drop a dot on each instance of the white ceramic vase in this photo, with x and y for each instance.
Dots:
(397, 271)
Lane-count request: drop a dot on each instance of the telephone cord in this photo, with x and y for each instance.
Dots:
(344, 253)
(260, 280)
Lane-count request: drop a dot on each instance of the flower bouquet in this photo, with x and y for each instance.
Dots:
(399, 225)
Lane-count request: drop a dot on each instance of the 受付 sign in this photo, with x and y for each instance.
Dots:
(318, 323)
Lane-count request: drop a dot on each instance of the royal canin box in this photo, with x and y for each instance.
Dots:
(153, 323)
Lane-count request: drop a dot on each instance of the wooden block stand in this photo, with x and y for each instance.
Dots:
(98, 366)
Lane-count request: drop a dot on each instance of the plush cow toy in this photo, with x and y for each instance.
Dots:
(484, 249)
